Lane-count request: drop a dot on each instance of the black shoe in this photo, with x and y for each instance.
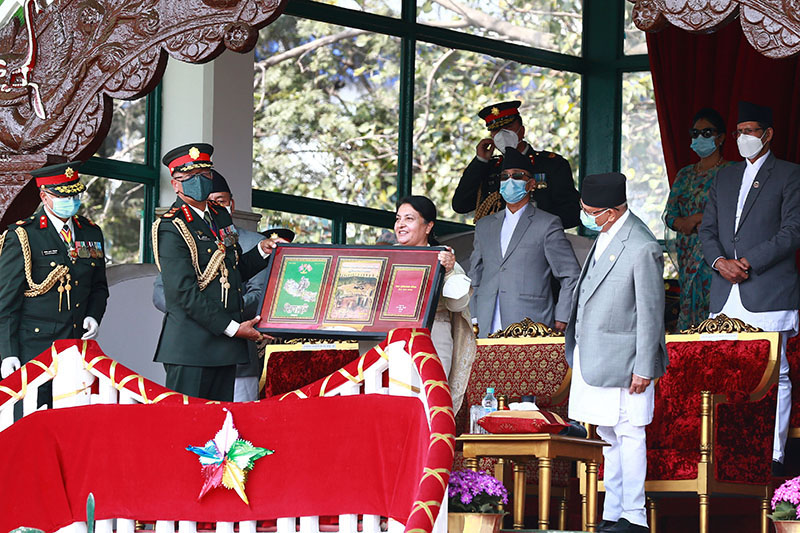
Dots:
(778, 470)
(623, 526)
(604, 526)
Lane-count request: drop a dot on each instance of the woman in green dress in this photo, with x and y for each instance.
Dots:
(684, 212)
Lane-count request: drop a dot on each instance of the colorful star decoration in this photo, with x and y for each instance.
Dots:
(227, 459)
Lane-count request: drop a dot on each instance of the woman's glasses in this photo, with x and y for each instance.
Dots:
(705, 132)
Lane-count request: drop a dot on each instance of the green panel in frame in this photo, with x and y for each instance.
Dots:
(453, 85)
(325, 123)
(553, 25)
(642, 159)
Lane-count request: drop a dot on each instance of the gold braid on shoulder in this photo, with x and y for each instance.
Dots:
(58, 274)
(491, 205)
(154, 238)
(2, 241)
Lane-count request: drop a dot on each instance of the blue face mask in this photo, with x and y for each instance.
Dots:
(704, 146)
(197, 187)
(589, 221)
(66, 207)
(513, 190)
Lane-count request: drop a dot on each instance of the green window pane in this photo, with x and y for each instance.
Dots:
(635, 39)
(118, 208)
(554, 25)
(389, 8)
(326, 100)
(307, 229)
(364, 234)
(452, 86)
(126, 139)
(642, 160)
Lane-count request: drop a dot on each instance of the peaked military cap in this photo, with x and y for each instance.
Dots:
(188, 157)
(604, 190)
(219, 183)
(749, 112)
(60, 180)
(514, 159)
(279, 233)
(498, 115)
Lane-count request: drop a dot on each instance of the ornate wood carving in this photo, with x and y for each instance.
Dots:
(75, 55)
(526, 328)
(722, 324)
(772, 27)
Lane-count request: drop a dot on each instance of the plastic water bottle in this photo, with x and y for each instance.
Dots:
(489, 402)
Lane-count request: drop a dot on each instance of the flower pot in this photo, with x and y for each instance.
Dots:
(474, 522)
(783, 526)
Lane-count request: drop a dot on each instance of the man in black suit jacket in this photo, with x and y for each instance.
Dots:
(750, 232)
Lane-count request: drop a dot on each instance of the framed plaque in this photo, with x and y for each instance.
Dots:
(354, 292)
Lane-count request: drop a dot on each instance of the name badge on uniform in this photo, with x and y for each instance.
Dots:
(202, 236)
(49, 252)
(229, 235)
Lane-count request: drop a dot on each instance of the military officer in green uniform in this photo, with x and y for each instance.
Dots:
(478, 189)
(203, 336)
(52, 273)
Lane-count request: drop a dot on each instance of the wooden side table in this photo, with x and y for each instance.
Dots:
(544, 447)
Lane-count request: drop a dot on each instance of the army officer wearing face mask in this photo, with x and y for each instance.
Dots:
(478, 190)
(203, 268)
(52, 273)
(516, 255)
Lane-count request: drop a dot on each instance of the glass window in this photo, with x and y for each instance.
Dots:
(364, 234)
(642, 160)
(307, 229)
(118, 208)
(126, 140)
(453, 85)
(389, 8)
(635, 39)
(554, 25)
(326, 100)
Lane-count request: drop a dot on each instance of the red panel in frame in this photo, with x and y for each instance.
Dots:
(354, 292)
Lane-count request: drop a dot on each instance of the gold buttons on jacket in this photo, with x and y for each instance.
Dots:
(209, 250)
(77, 304)
(36, 330)
(52, 263)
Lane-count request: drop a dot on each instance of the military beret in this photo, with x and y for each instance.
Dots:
(219, 183)
(282, 233)
(604, 190)
(188, 157)
(498, 115)
(60, 180)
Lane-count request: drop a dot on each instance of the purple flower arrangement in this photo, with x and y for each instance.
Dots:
(785, 501)
(475, 492)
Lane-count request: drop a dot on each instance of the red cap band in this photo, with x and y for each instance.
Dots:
(188, 159)
(503, 113)
(56, 180)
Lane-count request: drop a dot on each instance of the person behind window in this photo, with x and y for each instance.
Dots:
(684, 212)
(451, 332)
(479, 187)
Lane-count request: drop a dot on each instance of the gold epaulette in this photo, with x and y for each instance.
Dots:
(170, 213)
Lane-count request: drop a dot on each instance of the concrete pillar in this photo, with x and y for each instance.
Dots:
(212, 103)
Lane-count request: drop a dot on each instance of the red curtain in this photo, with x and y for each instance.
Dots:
(717, 70)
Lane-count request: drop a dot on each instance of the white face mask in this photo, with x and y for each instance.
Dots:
(505, 139)
(749, 145)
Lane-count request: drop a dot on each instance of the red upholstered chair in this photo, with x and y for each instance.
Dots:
(714, 419)
(515, 365)
(290, 366)
(793, 355)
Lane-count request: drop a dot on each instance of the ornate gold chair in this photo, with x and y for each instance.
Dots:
(714, 417)
(527, 358)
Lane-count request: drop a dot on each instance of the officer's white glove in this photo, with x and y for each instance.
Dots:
(91, 327)
(8, 366)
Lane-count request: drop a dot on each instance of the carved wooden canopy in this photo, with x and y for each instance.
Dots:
(771, 26)
(60, 68)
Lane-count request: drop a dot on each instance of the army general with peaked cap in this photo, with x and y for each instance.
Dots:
(52, 272)
(203, 268)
